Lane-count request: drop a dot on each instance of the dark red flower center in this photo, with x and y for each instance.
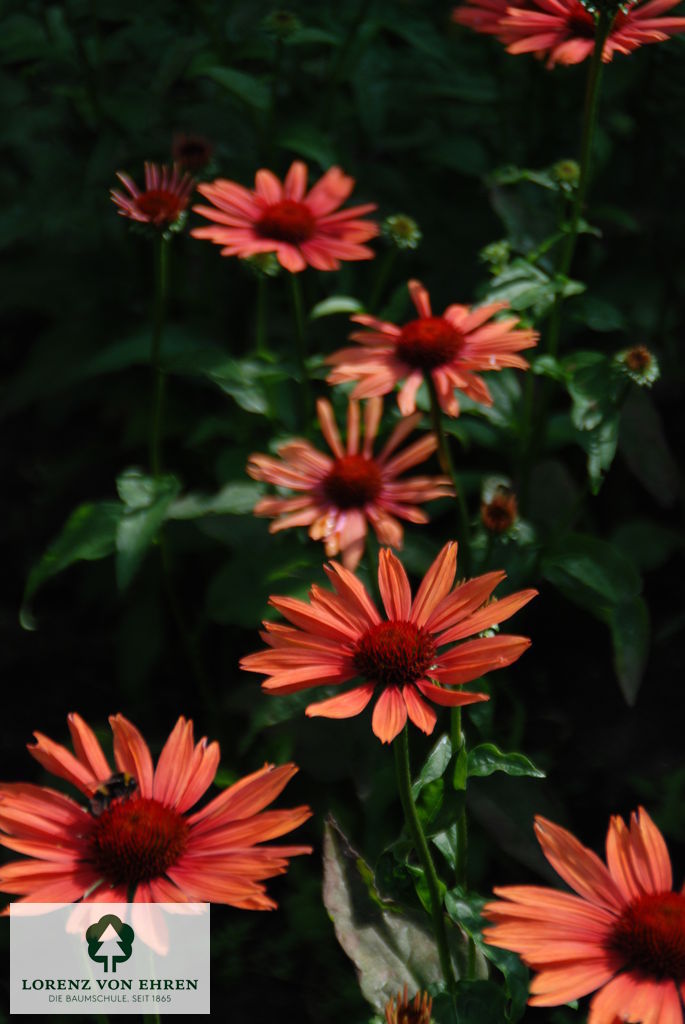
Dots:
(394, 653)
(581, 24)
(136, 840)
(429, 342)
(160, 206)
(650, 934)
(353, 481)
(287, 221)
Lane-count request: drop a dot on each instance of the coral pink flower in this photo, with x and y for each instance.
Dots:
(344, 493)
(564, 31)
(162, 201)
(142, 844)
(302, 228)
(448, 347)
(341, 636)
(622, 936)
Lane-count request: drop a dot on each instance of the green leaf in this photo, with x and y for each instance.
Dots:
(630, 630)
(481, 1002)
(647, 543)
(232, 499)
(247, 88)
(465, 909)
(304, 140)
(591, 572)
(644, 447)
(88, 535)
(434, 766)
(336, 304)
(389, 947)
(146, 500)
(487, 758)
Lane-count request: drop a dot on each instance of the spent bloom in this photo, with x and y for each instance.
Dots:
(622, 936)
(340, 495)
(498, 508)
(451, 348)
(163, 200)
(302, 227)
(341, 636)
(402, 1011)
(564, 31)
(132, 838)
(639, 364)
(191, 152)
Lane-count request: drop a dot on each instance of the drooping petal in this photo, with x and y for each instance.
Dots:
(389, 715)
(421, 714)
(345, 705)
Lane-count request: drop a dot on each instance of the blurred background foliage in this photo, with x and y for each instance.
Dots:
(433, 122)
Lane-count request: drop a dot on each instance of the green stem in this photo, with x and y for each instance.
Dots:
(458, 744)
(156, 423)
(447, 467)
(161, 288)
(401, 748)
(261, 346)
(587, 138)
(529, 436)
(298, 313)
(384, 271)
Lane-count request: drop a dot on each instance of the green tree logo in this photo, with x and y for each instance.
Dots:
(123, 942)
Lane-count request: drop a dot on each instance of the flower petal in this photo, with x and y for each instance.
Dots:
(393, 585)
(345, 705)
(389, 715)
(436, 584)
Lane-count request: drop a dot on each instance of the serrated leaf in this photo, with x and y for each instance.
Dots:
(147, 500)
(88, 535)
(487, 758)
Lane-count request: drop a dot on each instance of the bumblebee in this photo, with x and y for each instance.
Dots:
(117, 787)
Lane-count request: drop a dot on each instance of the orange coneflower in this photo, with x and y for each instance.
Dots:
(341, 636)
(162, 201)
(622, 936)
(564, 31)
(138, 841)
(300, 227)
(344, 493)
(450, 348)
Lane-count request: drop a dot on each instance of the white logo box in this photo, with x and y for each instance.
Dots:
(138, 958)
